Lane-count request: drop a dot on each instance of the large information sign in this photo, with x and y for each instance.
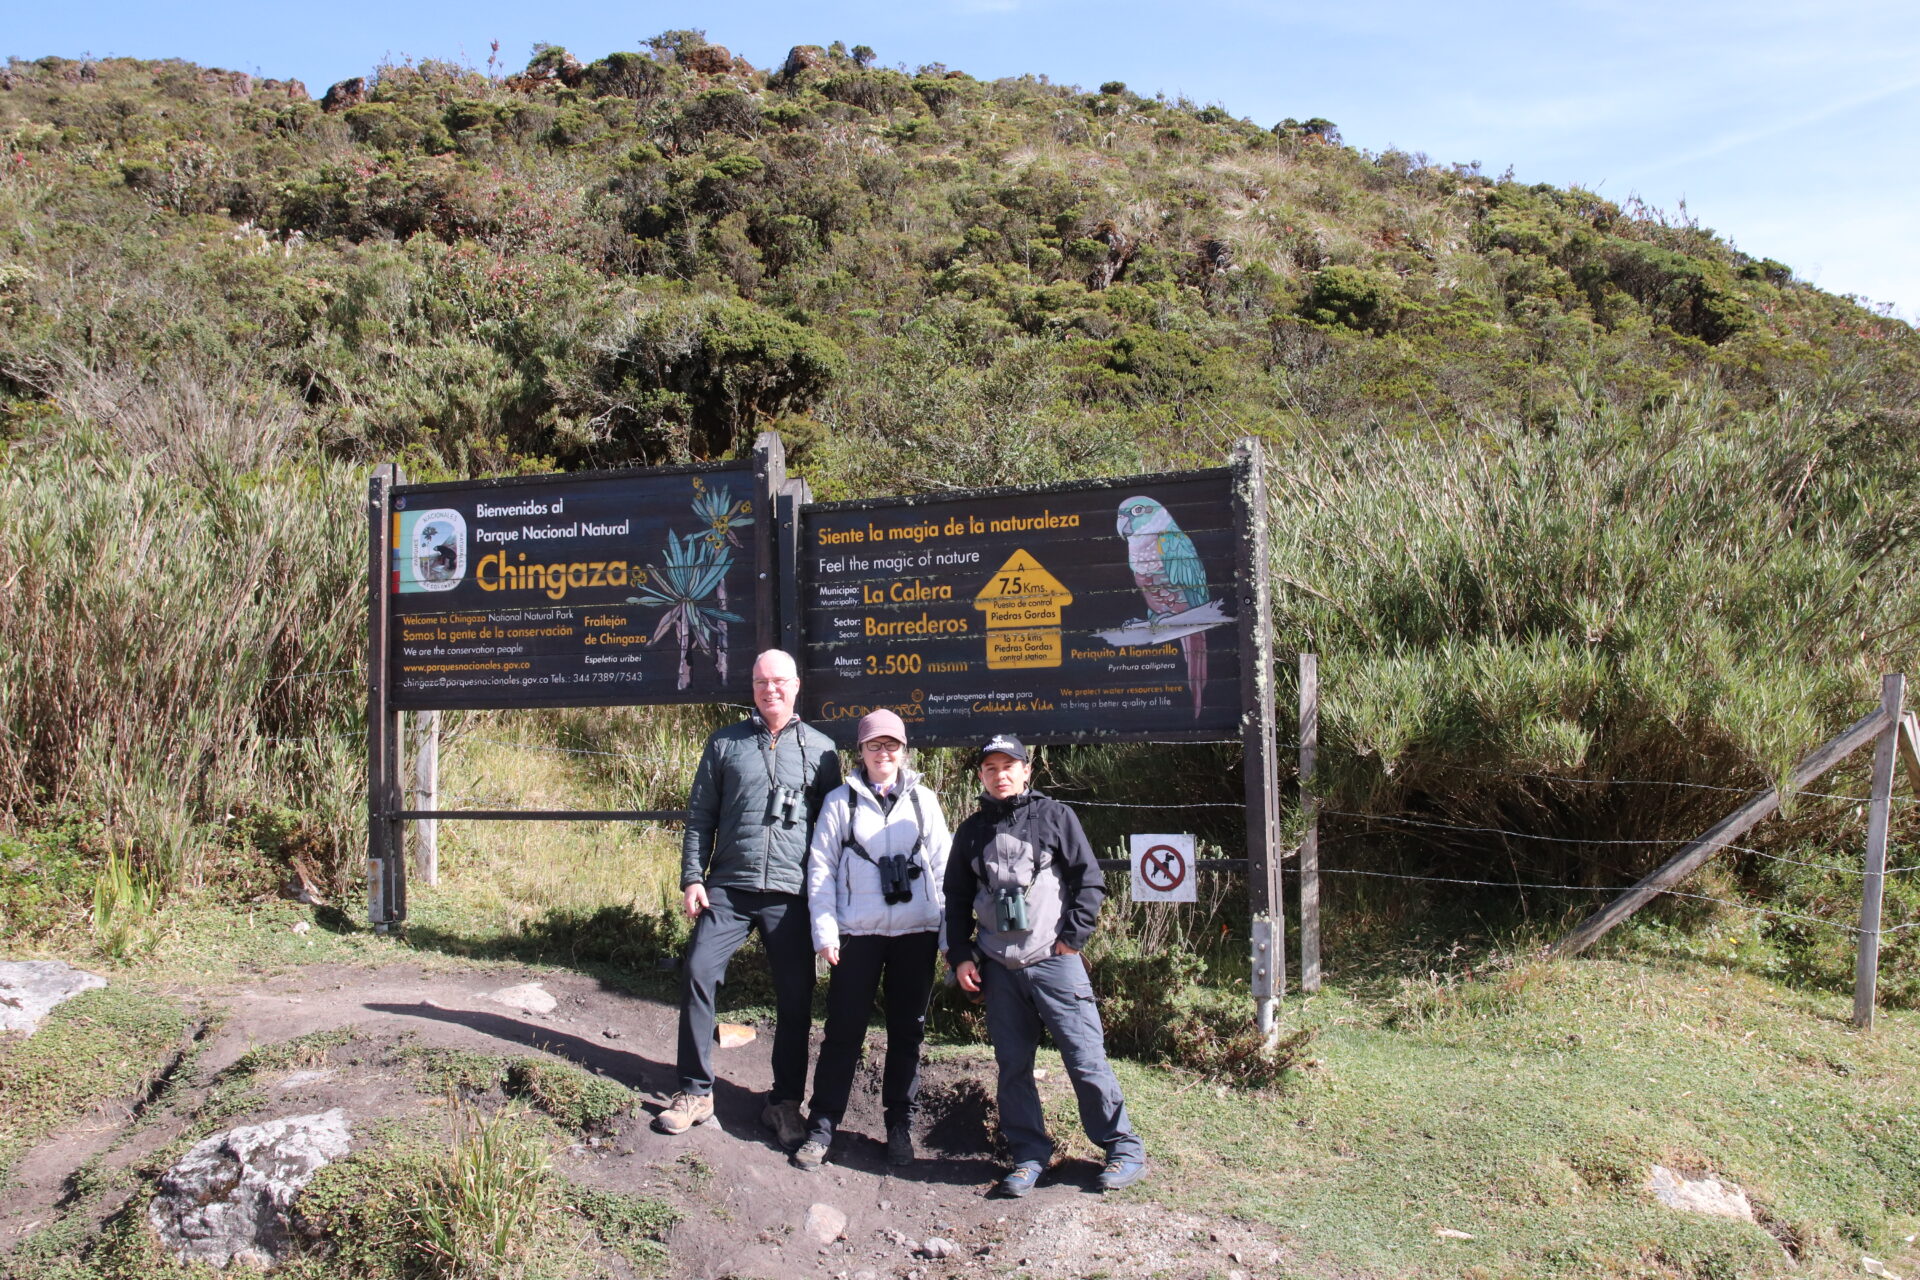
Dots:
(581, 590)
(1104, 609)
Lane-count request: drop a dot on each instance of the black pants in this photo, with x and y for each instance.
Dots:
(905, 966)
(785, 932)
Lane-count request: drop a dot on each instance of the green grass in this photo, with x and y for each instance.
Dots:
(417, 1200)
(1524, 1107)
(105, 1046)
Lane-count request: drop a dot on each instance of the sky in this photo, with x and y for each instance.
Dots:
(1788, 126)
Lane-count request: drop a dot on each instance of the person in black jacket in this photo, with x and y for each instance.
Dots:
(743, 867)
(1023, 892)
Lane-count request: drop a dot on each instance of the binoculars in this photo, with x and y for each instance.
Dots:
(785, 806)
(897, 874)
(1010, 910)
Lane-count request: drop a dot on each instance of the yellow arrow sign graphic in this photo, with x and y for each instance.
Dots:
(1022, 594)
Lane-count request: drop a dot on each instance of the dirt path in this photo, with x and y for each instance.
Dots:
(746, 1207)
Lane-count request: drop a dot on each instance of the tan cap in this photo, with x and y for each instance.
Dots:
(880, 724)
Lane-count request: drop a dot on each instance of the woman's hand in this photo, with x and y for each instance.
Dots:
(830, 954)
(968, 976)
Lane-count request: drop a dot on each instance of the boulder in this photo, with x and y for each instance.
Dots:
(348, 93)
(29, 989)
(708, 60)
(229, 1198)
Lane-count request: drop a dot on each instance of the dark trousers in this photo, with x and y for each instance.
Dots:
(1053, 993)
(867, 961)
(785, 932)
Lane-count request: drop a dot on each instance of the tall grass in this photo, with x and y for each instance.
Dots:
(162, 641)
(1695, 593)
(482, 1203)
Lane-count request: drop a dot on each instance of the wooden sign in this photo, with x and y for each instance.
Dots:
(1106, 609)
(575, 590)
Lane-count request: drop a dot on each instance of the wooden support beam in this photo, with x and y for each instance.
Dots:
(1910, 748)
(769, 477)
(1729, 829)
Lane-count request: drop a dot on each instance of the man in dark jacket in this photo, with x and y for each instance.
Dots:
(743, 867)
(1023, 892)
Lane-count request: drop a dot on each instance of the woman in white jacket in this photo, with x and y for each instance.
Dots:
(874, 869)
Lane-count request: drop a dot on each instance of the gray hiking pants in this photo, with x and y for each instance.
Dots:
(1055, 994)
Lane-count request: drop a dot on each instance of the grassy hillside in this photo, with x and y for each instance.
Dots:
(1564, 491)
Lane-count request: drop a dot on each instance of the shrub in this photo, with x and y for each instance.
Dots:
(1353, 297)
(1153, 1008)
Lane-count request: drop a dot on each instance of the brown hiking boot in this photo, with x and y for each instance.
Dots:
(811, 1155)
(684, 1111)
(784, 1119)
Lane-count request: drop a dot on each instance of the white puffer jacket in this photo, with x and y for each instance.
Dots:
(843, 889)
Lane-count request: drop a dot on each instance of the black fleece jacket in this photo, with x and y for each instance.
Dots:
(1050, 825)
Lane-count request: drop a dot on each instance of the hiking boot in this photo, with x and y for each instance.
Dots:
(900, 1143)
(1122, 1171)
(811, 1155)
(685, 1110)
(784, 1119)
(1019, 1180)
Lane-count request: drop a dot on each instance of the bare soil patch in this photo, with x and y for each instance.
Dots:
(745, 1206)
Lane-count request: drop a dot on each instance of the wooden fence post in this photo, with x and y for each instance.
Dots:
(1310, 814)
(426, 795)
(1260, 767)
(1866, 972)
(386, 869)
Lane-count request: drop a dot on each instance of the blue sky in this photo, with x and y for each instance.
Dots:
(1789, 127)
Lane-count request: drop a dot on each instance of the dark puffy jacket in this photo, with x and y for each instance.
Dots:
(733, 838)
(1049, 827)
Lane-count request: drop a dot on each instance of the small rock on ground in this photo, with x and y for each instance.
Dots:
(530, 996)
(1698, 1195)
(29, 990)
(824, 1223)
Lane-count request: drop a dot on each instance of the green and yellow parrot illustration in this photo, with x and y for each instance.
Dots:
(1169, 574)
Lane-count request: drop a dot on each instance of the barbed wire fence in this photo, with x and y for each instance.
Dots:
(1891, 728)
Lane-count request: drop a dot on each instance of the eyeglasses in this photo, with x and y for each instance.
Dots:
(769, 682)
(884, 746)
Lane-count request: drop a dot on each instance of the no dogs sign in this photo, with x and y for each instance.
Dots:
(1163, 868)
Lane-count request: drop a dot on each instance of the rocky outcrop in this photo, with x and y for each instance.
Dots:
(801, 59)
(708, 60)
(237, 83)
(29, 989)
(348, 93)
(228, 1199)
(291, 90)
